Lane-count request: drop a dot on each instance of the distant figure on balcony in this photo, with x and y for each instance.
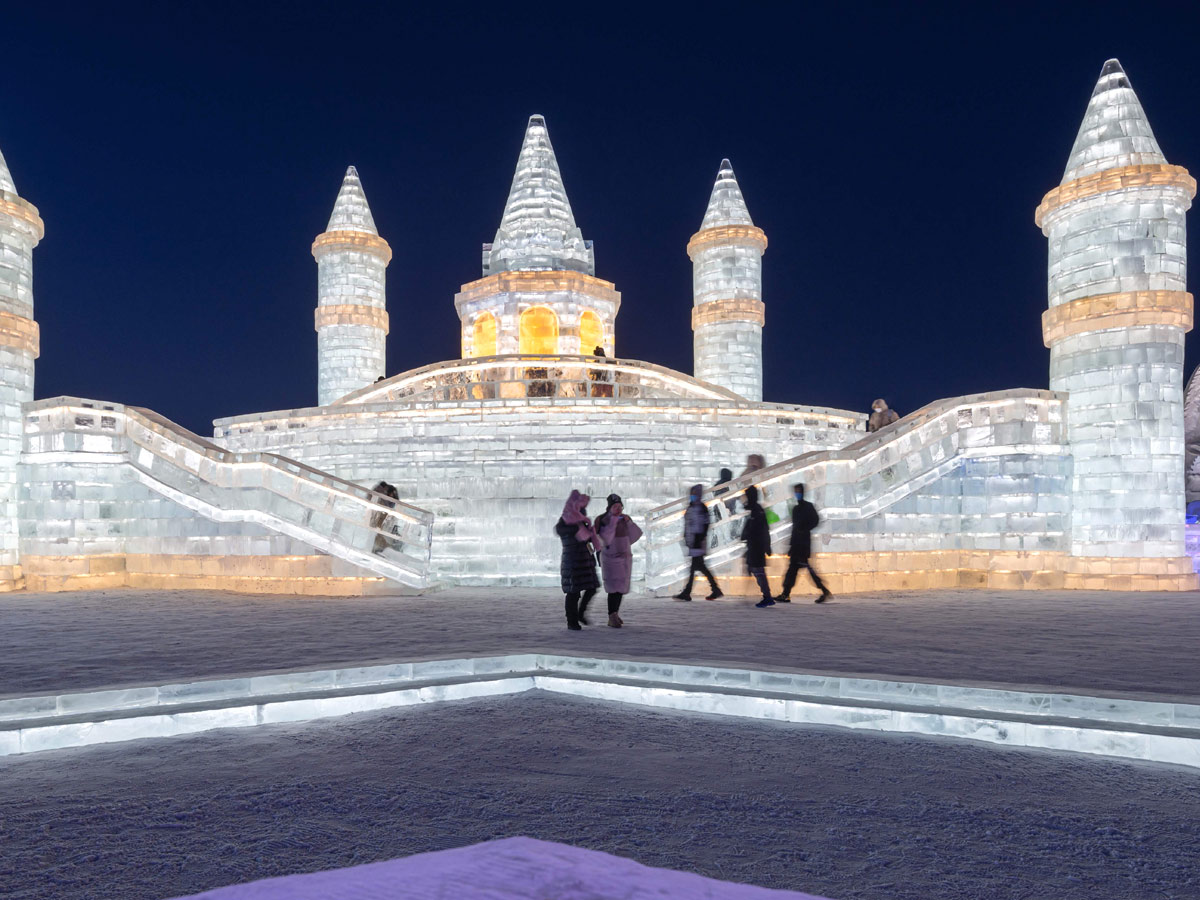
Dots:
(881, 416)
(601, 388)
(695, 538)
(757, 535)
(804, 520)
(618, 533)
(578, 567)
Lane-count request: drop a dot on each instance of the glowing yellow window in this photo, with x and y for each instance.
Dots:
(539, 330)
(591, 332)
(485, 335)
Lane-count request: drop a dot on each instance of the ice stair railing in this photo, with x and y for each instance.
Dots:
(335, 516)
(516, 376)
(864, 478)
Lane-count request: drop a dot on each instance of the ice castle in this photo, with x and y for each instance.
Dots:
(1079, 486)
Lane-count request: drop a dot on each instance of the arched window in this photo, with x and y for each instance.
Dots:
(484, 343)
(539, 330)
(591, 332)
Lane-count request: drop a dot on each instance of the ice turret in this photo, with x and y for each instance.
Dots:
(727, 308)
(538, 293)
(20, 231)
(538, 230)
(1118, 312)
(351, 315)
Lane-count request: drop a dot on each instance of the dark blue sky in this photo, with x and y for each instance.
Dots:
(184, 158)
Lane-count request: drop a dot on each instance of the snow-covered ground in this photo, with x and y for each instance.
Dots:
(837, 814)
(1082, 641)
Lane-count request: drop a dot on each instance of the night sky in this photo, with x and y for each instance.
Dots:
(183, 158)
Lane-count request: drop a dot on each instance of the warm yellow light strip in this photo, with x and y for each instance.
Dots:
(351, 240)
(20, 332)
(730, 310)
(727, 234)
(1120, 310)
(21, 209)
(1114, 180)
(351, 314)
(538, 283)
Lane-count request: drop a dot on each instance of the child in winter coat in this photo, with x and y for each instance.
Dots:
(618, 533)
(578, 567)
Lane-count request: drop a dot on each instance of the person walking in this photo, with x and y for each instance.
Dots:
(618, 533)
(379, 518)
(804, 520)
(695, 538)
(881, 416)
(578, 568)
(757, 535)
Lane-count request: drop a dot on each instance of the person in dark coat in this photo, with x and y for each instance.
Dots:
(881, 416)
(757, 535)
(695, 538)
(804, 520)
(578, 568)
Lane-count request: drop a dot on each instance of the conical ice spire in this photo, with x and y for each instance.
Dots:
(537, 230)
(726, 206)
(350, 210)
(6, 182)
(1115, 131)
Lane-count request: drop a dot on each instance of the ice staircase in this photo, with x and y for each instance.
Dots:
(864, 479)
(334, 516)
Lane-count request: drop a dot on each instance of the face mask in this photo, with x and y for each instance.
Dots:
(695, 498)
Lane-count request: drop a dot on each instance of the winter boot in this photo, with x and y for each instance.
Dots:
(717, 594)
(614, 621)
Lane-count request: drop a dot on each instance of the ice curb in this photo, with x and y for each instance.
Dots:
(1160, 731)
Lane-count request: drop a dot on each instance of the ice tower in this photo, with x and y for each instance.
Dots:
(728, 312)
(351, 316)
(539, 292)
(20, 230)
(1118, 312)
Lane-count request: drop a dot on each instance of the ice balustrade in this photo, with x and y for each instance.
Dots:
(385, 536)
(858, 481)
(518, 376)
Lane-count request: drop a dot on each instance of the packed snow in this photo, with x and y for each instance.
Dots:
(1085, 642)
(832, 813)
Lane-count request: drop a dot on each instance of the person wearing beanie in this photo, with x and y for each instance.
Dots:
(695, 539)
(618, 533)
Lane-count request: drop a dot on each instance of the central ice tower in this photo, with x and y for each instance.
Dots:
(539, 293)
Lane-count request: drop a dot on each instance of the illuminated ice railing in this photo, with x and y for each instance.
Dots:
(515, 377)
(863, 479)
(338, 517)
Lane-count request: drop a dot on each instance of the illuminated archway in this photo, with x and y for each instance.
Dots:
(539, 330)
(484, 342)
(591, 332)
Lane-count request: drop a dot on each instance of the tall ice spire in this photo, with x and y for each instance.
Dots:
(6, 182)
(351, 318)
(537, 230)
(1114, 131)
(726, 205)
(727, 311)
(1118, 310)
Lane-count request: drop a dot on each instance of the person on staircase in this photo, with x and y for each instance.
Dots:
(577, 570)
(881, 416)
(618, 533)
(804, 520)
(757, 535)
(695, 539)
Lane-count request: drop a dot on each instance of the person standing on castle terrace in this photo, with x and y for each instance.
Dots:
(757, 535)
(804, 519)
(618, 533)
(881, 416)
(695, 538)
(578, 568)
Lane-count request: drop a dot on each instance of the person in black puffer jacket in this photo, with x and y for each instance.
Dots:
(757, 535)
(578, 568)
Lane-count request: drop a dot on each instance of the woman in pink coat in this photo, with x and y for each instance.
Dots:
(617, 533)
